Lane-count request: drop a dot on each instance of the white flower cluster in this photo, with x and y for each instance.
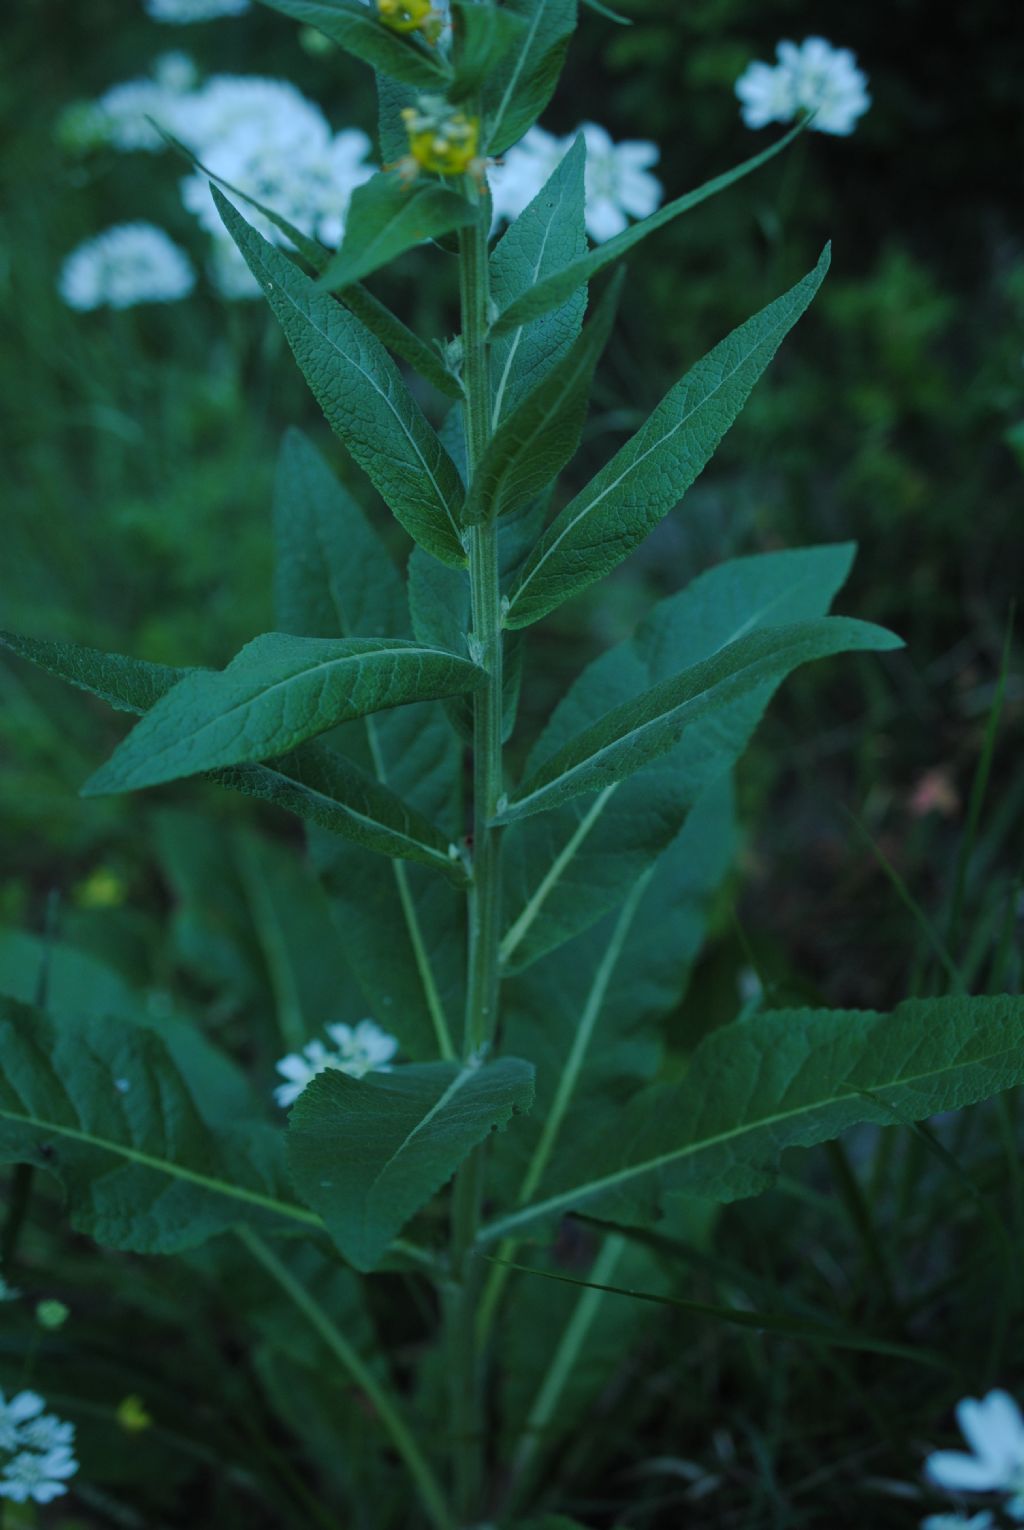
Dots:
(619, 185)
(180, 12)
(38, 1445)
(128, 264)
(360, 1049)
(811, 77)
(994, 1430)
(261, 135)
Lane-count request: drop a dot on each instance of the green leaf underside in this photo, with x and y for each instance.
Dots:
(548, 234)
(651, 473)
(362, 394)
(323, 787)
(279, 691)
(515, 94)
(357, 29)
(638, 731)
(368, 1153)
(485, 36)
(385, 218)
(532, 444)
(79, 1091)
(564, 868)
(557, 287)
(787, 1325)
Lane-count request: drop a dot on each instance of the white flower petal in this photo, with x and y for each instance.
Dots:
(958, 1472)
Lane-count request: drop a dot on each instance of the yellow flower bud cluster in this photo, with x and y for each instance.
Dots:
(411, 16)
(442, 139)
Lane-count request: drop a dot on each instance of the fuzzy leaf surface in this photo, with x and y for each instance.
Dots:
(556, 287)
(153, 1158)
(361, 393)
(279, 691)
(785, 1078)
(549, 234)
(640, 730)
(534, 442)
(385, 218)
(651, 473)
(357, 29)
(368, 1153)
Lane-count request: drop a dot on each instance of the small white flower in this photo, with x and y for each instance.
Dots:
(366, 1048)
(15, 1414)
(361, 1049)
(176, 72)
(618, 182)
(994, 1430)
(767, 94)
(46, 1433)
(179, 12)
(129, 264)
(39, 1477)
(982, 1521)
(810, 76)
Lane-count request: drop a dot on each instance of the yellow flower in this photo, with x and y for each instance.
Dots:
(411, 16)
(132, 1415)
(102, 888)
(442, 139)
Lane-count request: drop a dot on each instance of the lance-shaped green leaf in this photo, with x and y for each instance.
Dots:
(333, 576)
(485, 35)
(358, 29)
(555, 288)
(788, 1078)
(548, 234)
(651, 473)
(517, 92)
(362, 394)
(640, 730)
(563, 869)
(314, 783)
(278, 692)
(532, 445)
(151, 1154)
(130, 685)
(385, 218)
(379, 319)
(368, 1153)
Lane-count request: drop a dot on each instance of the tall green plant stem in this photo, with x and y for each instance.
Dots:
(484, 912)
(427, 1485)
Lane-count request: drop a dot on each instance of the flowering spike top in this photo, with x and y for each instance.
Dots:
(442, 139)
(411, 16)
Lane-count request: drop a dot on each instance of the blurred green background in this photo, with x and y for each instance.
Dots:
(140, 445)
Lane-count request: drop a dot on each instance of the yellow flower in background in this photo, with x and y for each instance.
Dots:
(411, 16)
(132, 1416)
(102, 888)
(442, 139)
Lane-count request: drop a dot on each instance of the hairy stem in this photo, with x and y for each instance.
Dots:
(484, 911)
